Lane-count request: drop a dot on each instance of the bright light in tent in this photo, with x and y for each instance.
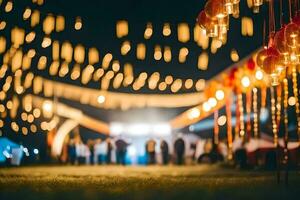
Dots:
(132, 151)
(141, 129)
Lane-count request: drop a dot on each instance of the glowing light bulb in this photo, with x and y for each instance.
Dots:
(101, 99)
(259, 75)
(194, 113)
(212, 102)
(220, 94)
(245, 81)
(206, 107)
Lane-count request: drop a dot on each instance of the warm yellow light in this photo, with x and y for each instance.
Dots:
(166, 29)
(259, 75)
(60, 23)
(35, 18)
(46, 42)
(220, 95)
(47, 106)
(30, 37)
(101, 99)
(222, 120)
(30, 118)
(2, 108)
(292, 101)
(206, 107)
(176, 86)
(200, 85)
(1, 123)
(106, 60)
(167, 54)
(149, 31)
(24, 116)
(93, 55)
(169, 79)
(79, 53)
(234, 55)
(125, 48)
(14, 126)
(183, 32)
(9, 6)
(162, 86)
(122, 28)
(157, 53)
(212, 102)
(64, 69)
(118, 80)
(31, 53)
(183, 52)
(188, 84)
(42, 63)
(116, 66)
(33, 128)
(48, 24)
(78, 23)
(245, 81)
(98, 74)
(26, 13)
(9, 105)
(194, 113)
(2, 25)
(141, 51)
(203, 61)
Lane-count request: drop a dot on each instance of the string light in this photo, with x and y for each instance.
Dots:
(273, 113)
(255, 113)
(78, 23)
(101, 99)
(194, 113)
(296, 95)
(220, 95)
(241, 112)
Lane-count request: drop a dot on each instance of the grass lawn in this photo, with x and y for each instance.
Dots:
(117, 182)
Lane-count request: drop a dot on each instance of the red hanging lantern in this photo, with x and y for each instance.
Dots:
(251, 64)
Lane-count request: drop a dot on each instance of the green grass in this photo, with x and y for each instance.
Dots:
(117, 182)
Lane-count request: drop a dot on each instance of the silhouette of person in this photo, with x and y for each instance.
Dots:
(179, 147)
(121, 149)
(164, 148)
(150, 149)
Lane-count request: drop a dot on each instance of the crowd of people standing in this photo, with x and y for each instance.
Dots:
(101, 151)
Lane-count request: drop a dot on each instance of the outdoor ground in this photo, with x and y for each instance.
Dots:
(116, 182)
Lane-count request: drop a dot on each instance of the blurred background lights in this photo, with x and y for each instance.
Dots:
(194, 113)
(35, 151)
(259, 75)
(206, 107)
(101, 99)
(220, 94)
(292, 101)
(245, 81)
(212, 102)
(222, 120)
